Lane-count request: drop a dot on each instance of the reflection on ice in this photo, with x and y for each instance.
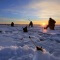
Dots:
(45, 30)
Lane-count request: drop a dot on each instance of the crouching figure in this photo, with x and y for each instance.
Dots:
(25, 29)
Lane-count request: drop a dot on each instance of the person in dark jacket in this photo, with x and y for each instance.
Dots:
(51, 24)
(25, 29)
(31, 24)
(12, 24)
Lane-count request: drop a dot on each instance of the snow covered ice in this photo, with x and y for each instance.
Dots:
(16, 45)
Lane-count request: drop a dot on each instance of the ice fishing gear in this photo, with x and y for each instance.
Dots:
(29, 19)
(37, 47)
(32, 41)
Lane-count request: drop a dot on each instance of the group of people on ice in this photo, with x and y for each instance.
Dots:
(51, 25)
(25, 28)
(40, 55)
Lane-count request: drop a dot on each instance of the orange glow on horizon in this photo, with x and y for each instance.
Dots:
(42, 23)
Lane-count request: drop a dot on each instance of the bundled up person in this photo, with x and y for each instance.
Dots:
(12, 24)
(25, 29)
(51, 24)
(31, 24)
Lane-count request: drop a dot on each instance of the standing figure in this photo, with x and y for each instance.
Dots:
(51, 24)
(31, 24)
(12, 24)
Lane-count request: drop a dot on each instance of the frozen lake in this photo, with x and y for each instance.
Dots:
(16, 45)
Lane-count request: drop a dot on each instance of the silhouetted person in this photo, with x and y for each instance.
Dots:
(25, 29)
(0, 31)
(31, 24)
(51, 24)
(12, 24)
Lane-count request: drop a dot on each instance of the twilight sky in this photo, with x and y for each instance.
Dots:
(19, 11)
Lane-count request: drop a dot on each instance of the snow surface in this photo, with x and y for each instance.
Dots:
(16, 45)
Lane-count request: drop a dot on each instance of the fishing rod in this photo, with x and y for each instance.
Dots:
(32, 41)
(29, 19)
(36, 38)
(38, 47)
